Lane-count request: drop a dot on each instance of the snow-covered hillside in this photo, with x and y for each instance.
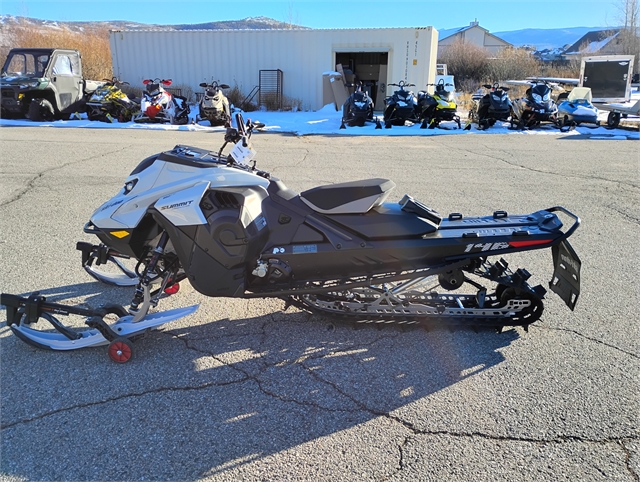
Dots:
(545, 38)
(259, 23)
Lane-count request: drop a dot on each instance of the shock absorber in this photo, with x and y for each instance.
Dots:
(142, 295)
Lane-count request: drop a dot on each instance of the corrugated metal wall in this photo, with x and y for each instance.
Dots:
(236, 56)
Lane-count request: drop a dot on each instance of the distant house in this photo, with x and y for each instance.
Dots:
(597, 42)
(473, 33)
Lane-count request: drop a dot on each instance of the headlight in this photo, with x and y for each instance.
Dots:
(30, 85)
(128, 187)
(546, 96)
(497, 98)
(537, 97)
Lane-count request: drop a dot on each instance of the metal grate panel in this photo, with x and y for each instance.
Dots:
(270, 93)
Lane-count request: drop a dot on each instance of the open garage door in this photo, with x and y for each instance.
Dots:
(369, 67)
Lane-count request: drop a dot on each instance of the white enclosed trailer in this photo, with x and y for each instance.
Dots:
(300, 59)
(608, 77)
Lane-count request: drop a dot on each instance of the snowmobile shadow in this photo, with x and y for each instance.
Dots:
(301, 378)
(93, 293)
(229, 392)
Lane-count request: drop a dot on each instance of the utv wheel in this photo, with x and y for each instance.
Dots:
(40, 110)
(120, 350)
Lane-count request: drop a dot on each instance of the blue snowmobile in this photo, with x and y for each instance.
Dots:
(576, 108)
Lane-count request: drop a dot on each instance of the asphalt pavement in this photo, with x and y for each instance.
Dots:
(243, 390)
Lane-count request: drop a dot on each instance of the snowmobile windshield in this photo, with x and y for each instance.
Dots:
(98, 95)
(499, 95)
(153, 89)
(540, 93)
(25, 64)
(404, 95)
(446, 95)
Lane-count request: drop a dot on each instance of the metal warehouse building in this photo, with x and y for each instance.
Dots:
(296, 64)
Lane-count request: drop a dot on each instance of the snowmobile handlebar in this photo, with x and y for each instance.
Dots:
(495, 86)
(402, 84)
(214, 85)
(115, 81)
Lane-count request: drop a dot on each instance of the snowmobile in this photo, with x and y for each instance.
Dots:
(441, 106)
(109, 103)
(339, 250)
(358, 108)
(490, 107)
(535, 107)
(400, 107)
(576, 108)
(159, 106)
(214, 105)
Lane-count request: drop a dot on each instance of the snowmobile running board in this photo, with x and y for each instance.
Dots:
(23, 311)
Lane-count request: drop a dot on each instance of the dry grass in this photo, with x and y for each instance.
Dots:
(93, 45)
(465, 61)
(472, 66)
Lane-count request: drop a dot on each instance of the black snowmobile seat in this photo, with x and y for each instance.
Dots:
(356, 197)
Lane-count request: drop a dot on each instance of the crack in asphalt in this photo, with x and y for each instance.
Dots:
(416, 431)
(124, 396)
(569, 330)
(304, 158)
(627, 461)
(361, 406)
(246, 377)
(565, 175)
(626, 216)
(30, 184)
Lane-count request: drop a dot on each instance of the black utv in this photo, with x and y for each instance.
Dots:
(43, 84)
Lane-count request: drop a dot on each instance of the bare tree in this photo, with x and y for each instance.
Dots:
(629, 16)
(291, 18)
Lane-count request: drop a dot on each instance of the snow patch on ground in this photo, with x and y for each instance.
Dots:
(327, 120)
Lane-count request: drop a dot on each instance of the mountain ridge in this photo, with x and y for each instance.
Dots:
(539, 38)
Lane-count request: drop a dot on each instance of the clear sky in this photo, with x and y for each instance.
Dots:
(494, 15)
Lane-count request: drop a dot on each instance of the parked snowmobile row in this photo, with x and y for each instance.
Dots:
(340, 250)
(538, 107)
(428, 110)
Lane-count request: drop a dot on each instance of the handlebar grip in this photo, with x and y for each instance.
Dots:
(240, 123)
